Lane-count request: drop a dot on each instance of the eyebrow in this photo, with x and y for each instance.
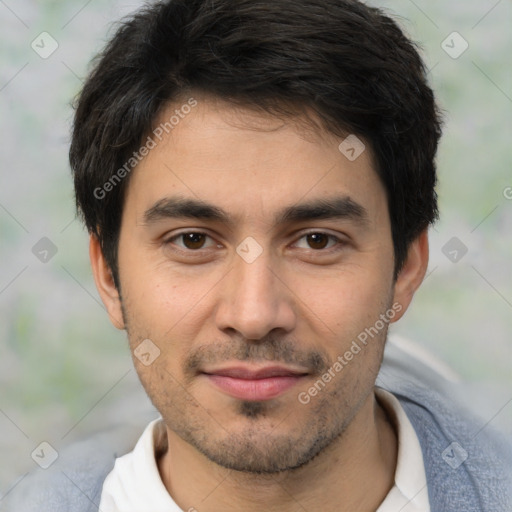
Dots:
(330, 208)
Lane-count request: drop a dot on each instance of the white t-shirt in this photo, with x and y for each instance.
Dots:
(134, 485)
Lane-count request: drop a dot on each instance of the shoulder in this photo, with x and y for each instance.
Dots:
(468, 463)
(75, 481)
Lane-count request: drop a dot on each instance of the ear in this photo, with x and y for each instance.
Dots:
(412, 273)
(105, 283)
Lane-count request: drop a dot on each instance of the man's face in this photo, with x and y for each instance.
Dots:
(252, 254)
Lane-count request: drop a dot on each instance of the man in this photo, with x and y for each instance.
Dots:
(258, 179)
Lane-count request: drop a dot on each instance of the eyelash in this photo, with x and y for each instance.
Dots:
(338, 245)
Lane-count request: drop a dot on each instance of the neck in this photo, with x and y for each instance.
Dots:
(355, 472)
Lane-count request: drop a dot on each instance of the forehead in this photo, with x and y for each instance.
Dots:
(249, 163)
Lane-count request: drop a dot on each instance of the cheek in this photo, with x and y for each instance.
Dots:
(159, 297)
(345, 303)
(170, 310)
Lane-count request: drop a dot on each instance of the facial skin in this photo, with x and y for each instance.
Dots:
(299, 305)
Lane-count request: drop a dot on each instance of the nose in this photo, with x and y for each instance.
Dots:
(255, 300)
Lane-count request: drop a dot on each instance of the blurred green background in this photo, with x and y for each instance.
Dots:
(66, 372)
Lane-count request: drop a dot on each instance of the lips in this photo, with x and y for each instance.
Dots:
(254, 384)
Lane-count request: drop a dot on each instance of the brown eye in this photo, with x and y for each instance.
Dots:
(193, 240)
(317, 240)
